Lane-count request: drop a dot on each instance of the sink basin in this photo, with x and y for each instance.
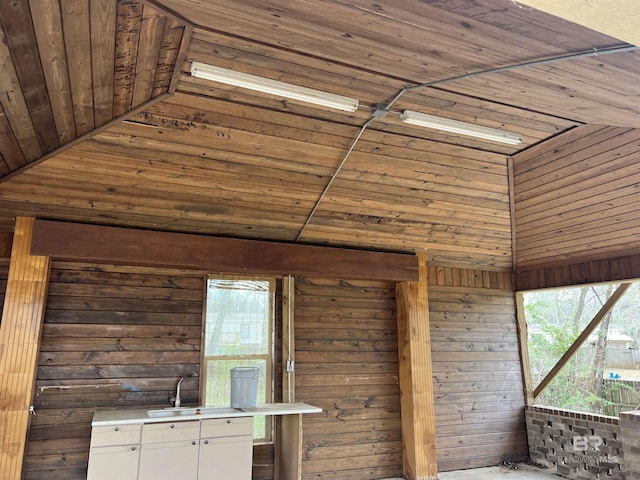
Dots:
(185, 411)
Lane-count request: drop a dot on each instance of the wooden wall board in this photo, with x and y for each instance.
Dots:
(579, 202)
(625, 267)
(122, 345)
(357, 435)
(477, 378)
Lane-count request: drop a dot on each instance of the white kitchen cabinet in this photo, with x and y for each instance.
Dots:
(206, 443)
(226, 448)
(169, 451)
(114, 453)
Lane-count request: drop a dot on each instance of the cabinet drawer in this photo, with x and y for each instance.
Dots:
(115, 435)
(170, 431)
(226, 427)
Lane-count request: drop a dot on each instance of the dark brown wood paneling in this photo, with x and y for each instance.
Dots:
(113, 338)
(347, 364)
(576, 198)
(596, 271)
(68, 67)
(477, 379)
(102, 244)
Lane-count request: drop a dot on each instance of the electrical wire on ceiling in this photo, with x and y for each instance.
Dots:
(381, 110)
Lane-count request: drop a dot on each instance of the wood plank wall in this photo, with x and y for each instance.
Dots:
(626, 267)
(477, 379)
(576, 197)
(117, 337)
(113, 337)
(347, 363)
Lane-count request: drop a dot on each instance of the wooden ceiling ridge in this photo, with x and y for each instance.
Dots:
(72, 69)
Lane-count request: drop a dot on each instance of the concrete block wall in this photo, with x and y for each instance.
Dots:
(630, 436)
(576, 445)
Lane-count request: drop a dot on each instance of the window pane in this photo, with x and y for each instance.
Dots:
(238, 324)
(238, 317)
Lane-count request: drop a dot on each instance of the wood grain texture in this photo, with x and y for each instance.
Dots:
(22, 316)
(358, 433)
(130, 353)
(575, 198)
(414, 357)
(477, 376)
(147, 248)
(625, 267)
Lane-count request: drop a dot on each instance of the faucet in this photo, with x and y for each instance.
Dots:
(176, 399)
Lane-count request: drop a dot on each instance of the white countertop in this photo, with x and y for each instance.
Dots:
(134, 416)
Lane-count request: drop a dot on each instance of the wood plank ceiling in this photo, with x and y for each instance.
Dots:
(228, 161)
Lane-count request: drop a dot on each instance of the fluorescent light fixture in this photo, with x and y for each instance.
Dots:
(461, 128)
(273, 87)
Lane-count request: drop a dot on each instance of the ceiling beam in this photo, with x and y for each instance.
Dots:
(125, 246)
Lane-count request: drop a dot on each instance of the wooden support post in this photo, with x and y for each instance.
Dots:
(523, 343)
(416, 387)
(288, 448)
(588, 330)
(20, 330)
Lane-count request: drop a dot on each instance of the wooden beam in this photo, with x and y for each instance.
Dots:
(124, 246)
(20, 330)
(613, 299)
(416, 388)
(523, 343)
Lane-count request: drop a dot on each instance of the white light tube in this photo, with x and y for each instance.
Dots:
(273, 87)
(461, 128)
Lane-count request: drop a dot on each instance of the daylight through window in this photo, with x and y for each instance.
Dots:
(239, 333)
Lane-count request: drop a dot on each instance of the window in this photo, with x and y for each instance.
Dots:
(239, 325)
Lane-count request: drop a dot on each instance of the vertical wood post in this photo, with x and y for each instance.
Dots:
(416, 387)
(523, 343)
(20, 330)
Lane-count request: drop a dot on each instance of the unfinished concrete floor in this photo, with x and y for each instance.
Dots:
(524, 472)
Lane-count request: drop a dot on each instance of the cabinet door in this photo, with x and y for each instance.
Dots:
(118, 462)
(169, 460)
(226, 458)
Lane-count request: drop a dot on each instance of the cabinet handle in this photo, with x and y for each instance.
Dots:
(133, 448)
(173, 426)
(193, 442)
(228, 421)
(117, 429)
(206, 442)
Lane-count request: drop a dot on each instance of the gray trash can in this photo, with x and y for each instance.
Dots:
(244, 387)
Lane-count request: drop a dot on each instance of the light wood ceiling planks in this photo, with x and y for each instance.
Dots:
(70, 66)
(228, 161)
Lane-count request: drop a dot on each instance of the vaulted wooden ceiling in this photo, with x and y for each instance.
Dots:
(101, 121)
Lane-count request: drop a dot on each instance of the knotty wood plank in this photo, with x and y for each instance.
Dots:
(17, 121)
(152, 29)
(12, 155)
(17, 25)
(129, 19)
(20, 331)
(168, 55)
(414, 349)
(75, 18)
(103, 44)
(93, 243)
(47, 21)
